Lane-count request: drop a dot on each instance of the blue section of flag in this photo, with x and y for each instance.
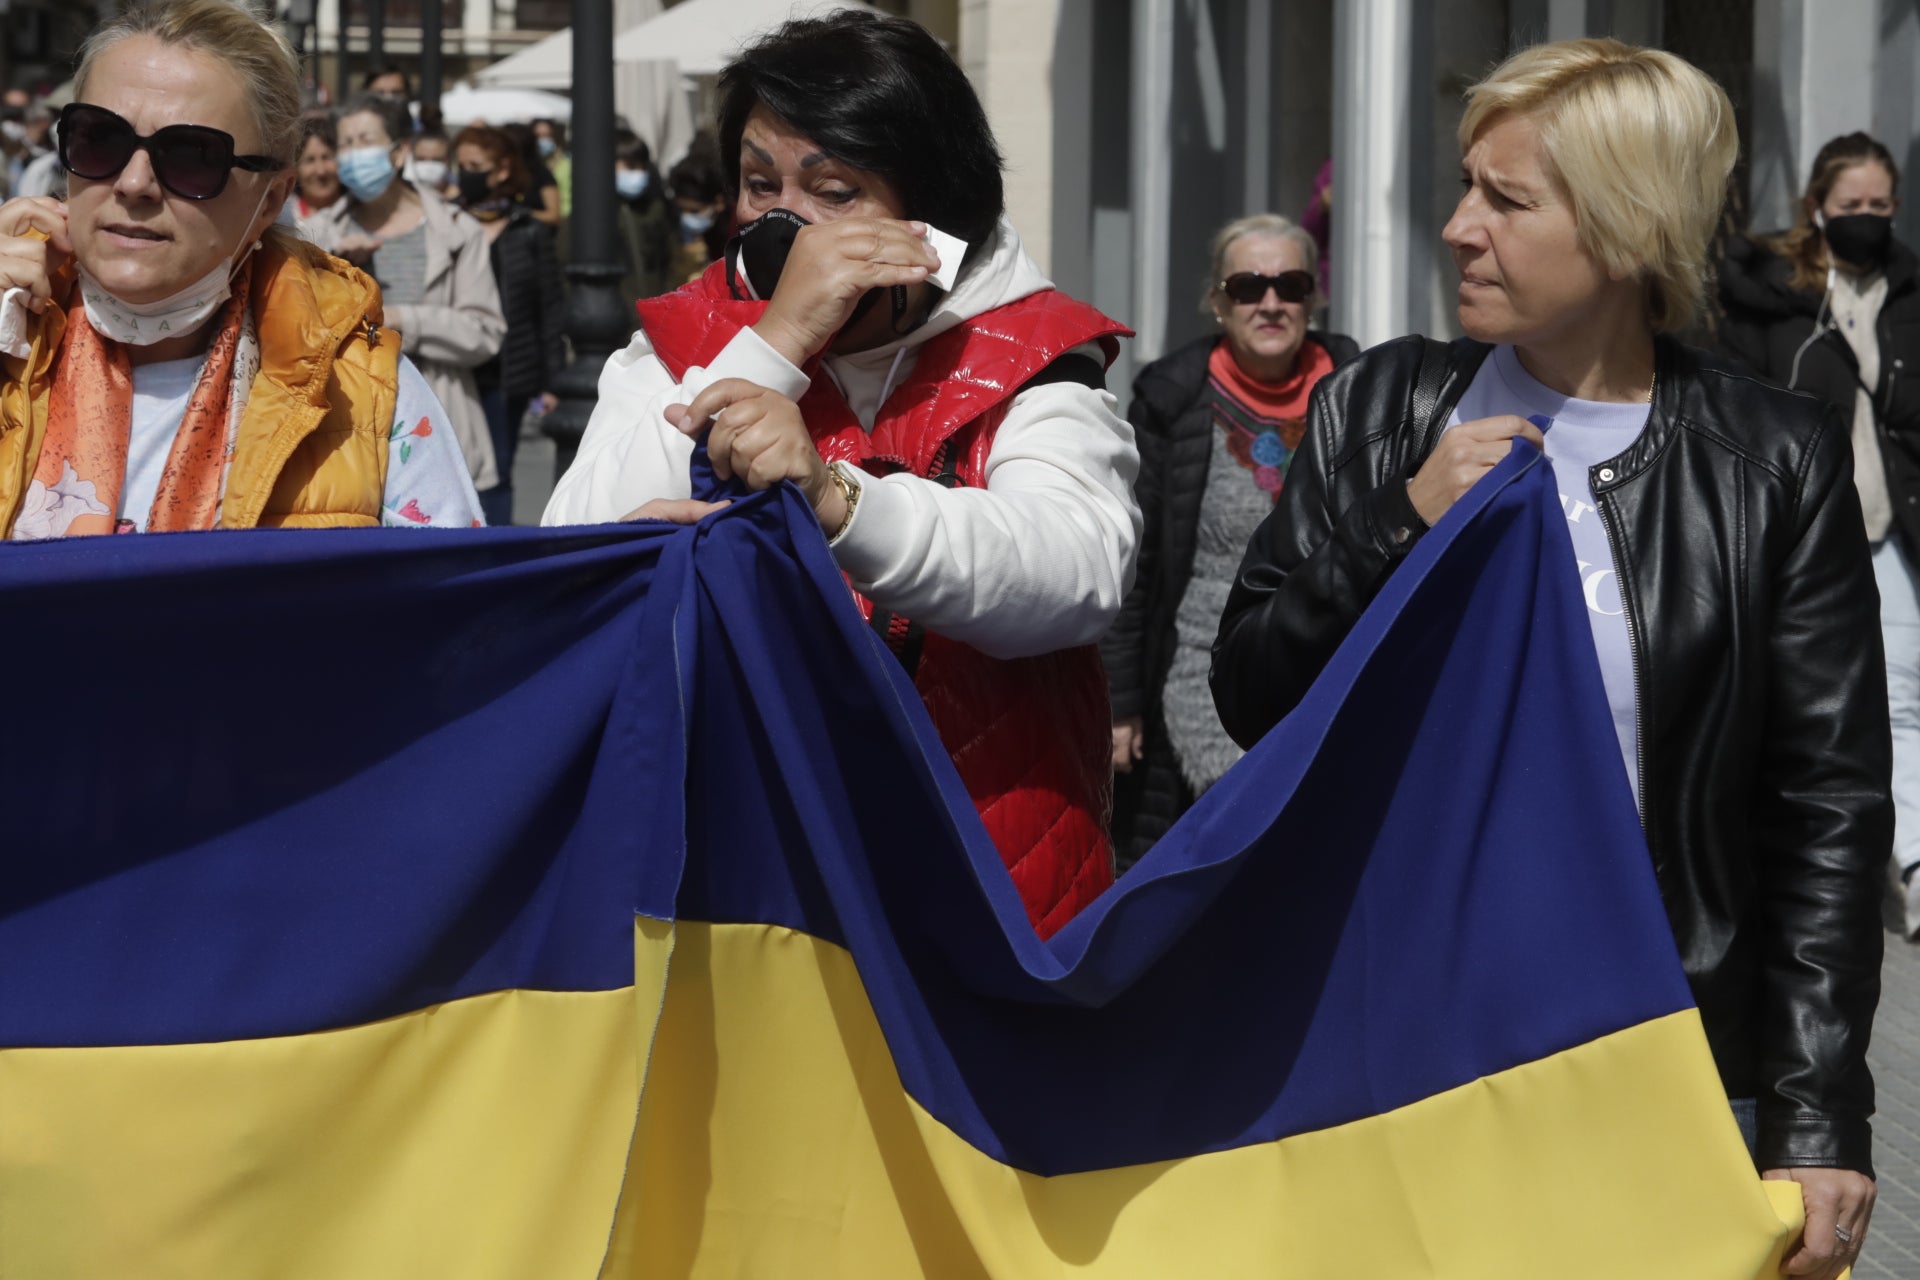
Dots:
(282, 782)
(286, 782)
(1450, 788)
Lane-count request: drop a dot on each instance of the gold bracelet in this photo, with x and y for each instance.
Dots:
(848, 490)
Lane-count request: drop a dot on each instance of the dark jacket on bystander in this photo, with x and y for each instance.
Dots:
(1172, 418)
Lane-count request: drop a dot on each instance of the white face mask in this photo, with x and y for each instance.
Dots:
(141, 324)
(431, 174)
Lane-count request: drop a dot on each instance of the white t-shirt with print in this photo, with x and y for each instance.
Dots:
(1580, 435)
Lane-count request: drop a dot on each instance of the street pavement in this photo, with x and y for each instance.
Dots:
(1893, 1246)
(532, 473)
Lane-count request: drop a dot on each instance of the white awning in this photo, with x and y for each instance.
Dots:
(702, 36)
(545, 64)
(699, 35)
(463, 104)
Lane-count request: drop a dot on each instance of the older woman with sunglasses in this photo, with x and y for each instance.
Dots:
(170, 360)
(1217, 421)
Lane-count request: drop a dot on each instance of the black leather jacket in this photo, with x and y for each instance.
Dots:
(1765, 754)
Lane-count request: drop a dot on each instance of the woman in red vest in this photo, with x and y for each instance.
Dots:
(877, 334)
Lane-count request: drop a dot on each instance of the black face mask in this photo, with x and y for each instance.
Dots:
(474, 187)
(757, 254)
(1860, 239)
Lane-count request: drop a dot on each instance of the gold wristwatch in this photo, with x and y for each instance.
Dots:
(849, 489)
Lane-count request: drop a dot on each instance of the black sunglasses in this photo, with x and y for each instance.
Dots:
(1247, 287)
(190, 160)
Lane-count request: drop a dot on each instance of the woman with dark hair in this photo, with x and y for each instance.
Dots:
(1218, 421)
(943, 410)
(491, 179)
(542, 196)
(1832, 307)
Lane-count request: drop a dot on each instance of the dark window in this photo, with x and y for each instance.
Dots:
(543, 15)
(1717, 37)
(404, 13)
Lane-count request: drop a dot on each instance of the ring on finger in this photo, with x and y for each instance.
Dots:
(1846, 1236)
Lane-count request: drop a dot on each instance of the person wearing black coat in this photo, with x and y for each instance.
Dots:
(648, 221)
(1215, 422)
(492, 180)
(1715, 540)
(1832, 307)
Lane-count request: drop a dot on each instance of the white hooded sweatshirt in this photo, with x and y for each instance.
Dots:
(1037, 560)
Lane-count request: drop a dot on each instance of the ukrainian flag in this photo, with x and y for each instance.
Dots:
(601, 903)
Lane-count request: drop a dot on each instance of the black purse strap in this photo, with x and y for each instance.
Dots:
(1433, 374)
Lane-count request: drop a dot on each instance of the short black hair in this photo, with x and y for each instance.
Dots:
(697, 178)
(878, 93)
(630, 149)
(389, 69)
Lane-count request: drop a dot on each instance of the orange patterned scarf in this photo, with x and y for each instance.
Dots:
(83, 460)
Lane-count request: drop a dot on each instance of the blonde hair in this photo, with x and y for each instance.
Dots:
(1260, 224)
(1641, 142)
(229, 32)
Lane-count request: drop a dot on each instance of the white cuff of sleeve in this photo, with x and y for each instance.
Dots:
(14, 318)
(749, 356)
(862, 548)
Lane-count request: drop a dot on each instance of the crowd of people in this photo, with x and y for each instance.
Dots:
(222, 310)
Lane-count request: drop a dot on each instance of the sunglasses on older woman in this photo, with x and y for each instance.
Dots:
(1248, 287)
(193, 161)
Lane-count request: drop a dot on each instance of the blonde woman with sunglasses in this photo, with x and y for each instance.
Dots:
(1217, 421)
(169, 360)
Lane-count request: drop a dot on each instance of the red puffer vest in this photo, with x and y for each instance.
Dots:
(1030, 737)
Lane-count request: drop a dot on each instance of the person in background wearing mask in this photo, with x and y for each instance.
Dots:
(429, 163)
(700, 200)
(542, 196)
(192, 365)
(647, 221)
(1832, 307)
(978, 493)
(431, 262)
(491, 180)
(319, 173)
(550, 140)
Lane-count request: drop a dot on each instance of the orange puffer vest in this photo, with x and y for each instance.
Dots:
(312, 446)
(1030, 737)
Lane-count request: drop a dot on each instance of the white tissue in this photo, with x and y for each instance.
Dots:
(951, 250)
(14, 319)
